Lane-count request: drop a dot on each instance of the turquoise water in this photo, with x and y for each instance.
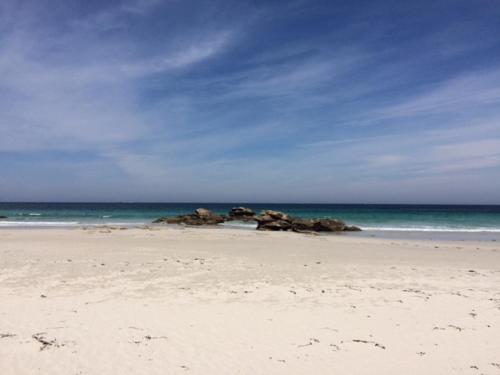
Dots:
(432, 218)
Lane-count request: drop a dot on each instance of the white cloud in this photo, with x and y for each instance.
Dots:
(81, 91)
(299, 108)
(471, 149)
(191, 53)
(466, 92)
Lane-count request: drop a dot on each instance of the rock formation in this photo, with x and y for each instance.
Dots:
(267, 220)
(241, 214)
(200, 216)
(273, 220)
(321, 225)
(278, 221)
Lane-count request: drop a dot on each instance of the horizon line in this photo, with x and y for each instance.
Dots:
(250, 203)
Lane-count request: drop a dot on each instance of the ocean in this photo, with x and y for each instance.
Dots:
(370, 217)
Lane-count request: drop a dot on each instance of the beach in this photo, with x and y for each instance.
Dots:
(165, 300)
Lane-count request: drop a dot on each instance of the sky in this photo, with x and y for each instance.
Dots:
(250, 101)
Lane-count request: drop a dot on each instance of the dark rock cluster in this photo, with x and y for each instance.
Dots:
(278, 221)
(241, 214)
(200, 216)
(267, 220)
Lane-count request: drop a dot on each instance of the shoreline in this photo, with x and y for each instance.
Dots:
(400, 233)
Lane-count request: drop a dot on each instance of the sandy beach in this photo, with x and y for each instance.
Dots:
(219, 301)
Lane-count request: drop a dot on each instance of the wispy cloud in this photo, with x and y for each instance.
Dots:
(465, 92)
(56, 96)
(191, 53)
(297, 102)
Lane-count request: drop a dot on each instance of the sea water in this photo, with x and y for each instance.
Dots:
(370, 217)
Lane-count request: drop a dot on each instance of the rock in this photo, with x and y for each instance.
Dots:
(329, 225)
(3, 217)
(242, 214)
(322, 225)
(273, 220)
(352, 228)
(203, 212)
(278, 221)
(264, 219)
(201, 216)
(267, 220)
(300, 225)
(276, 215)
(276, 225)
(169, 220)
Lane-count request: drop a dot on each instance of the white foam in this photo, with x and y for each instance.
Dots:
(38, 223)
(239, 224)
(433, 229)
(116, 223)
(34, 214)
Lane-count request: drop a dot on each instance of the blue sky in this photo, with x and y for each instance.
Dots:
(259, 101)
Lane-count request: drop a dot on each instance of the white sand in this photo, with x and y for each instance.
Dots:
(218, 301)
